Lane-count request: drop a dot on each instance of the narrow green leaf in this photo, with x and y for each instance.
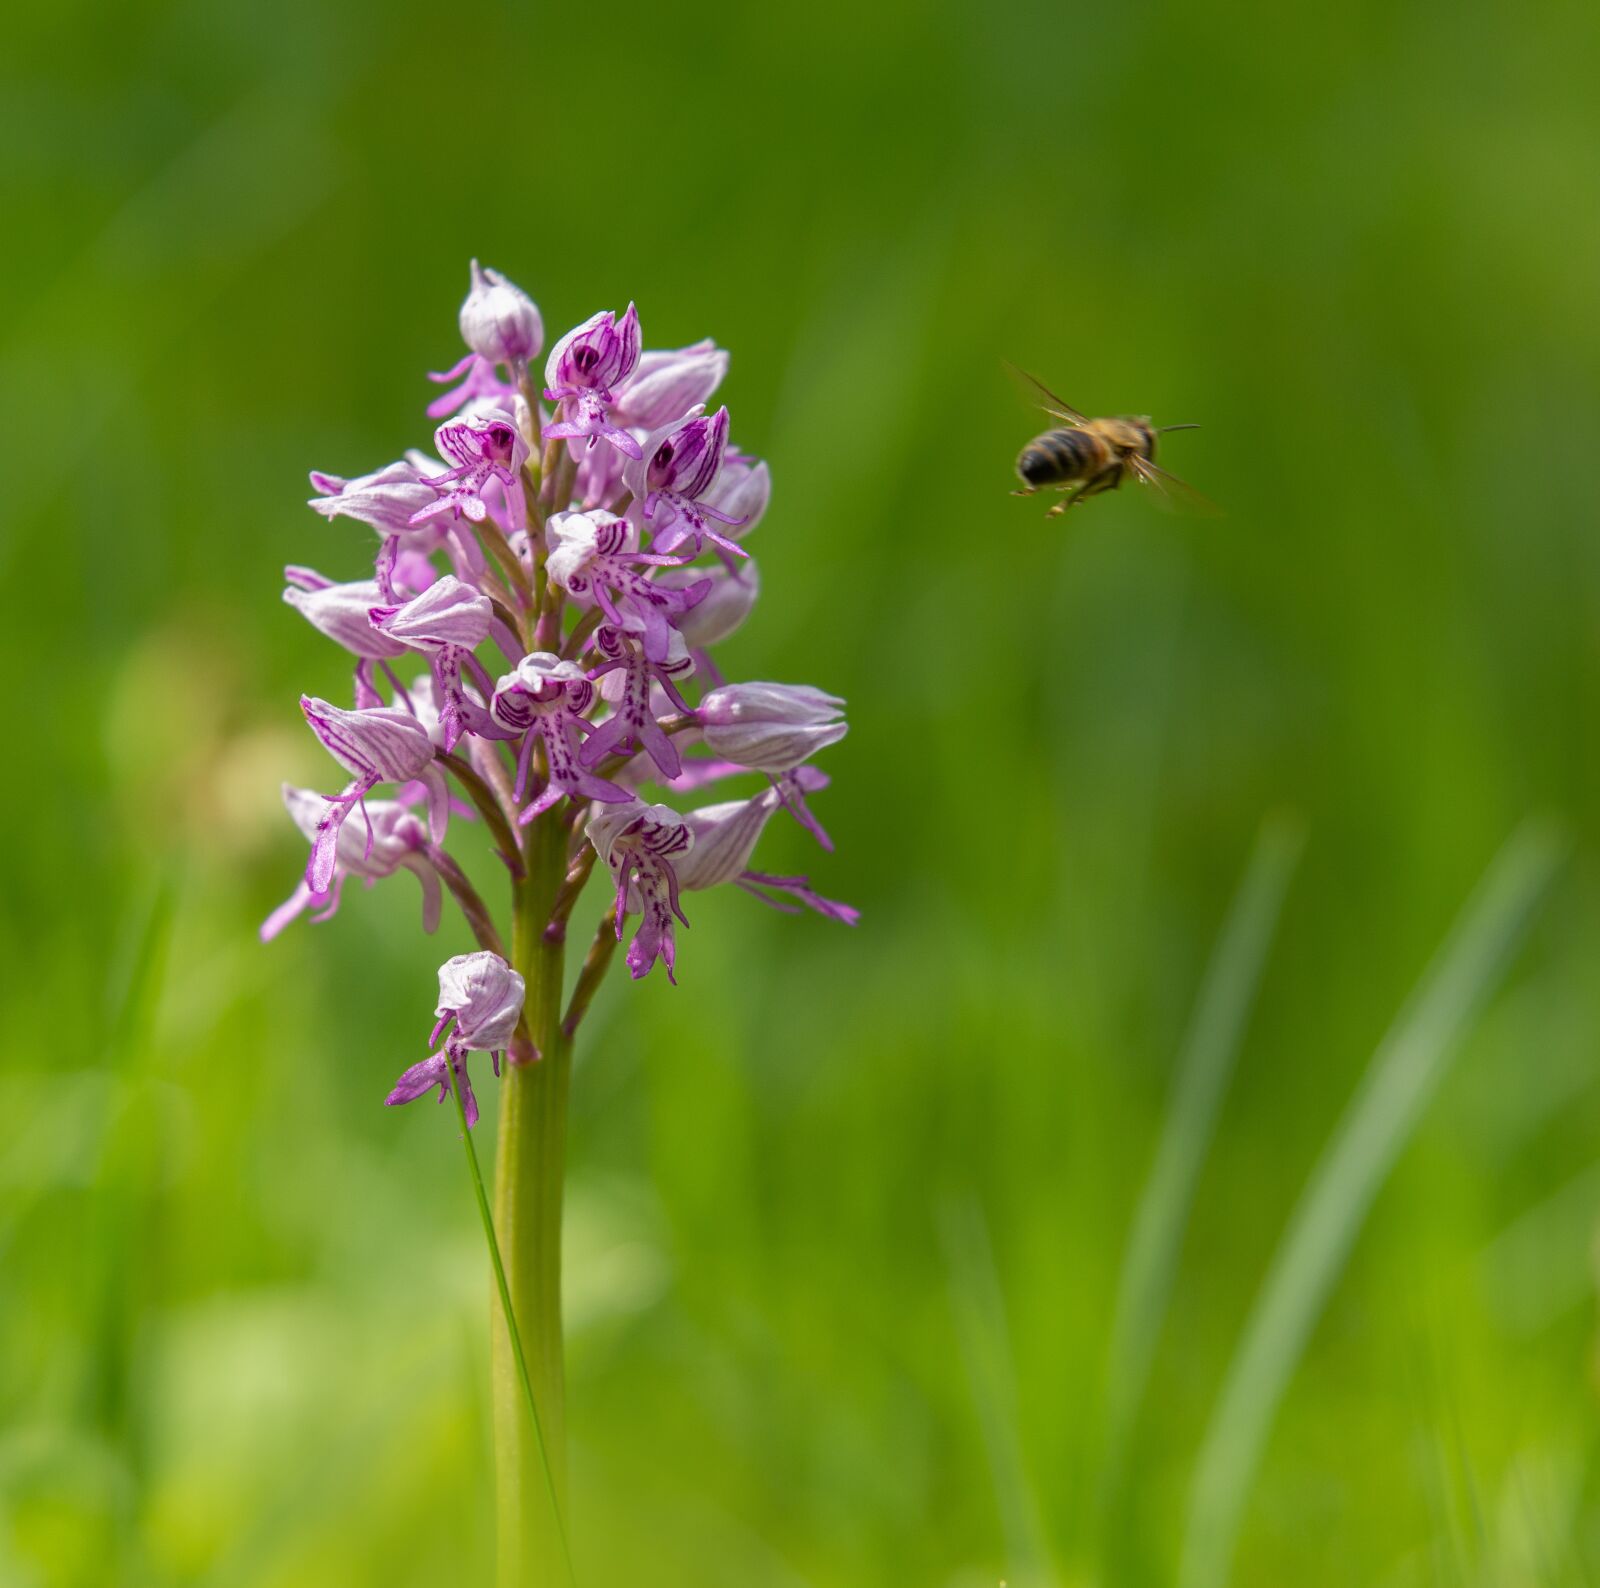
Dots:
(979, 1307)
(1379, 1120)
(1199, 1084)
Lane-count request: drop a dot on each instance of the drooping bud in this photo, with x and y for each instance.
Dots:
(770, 727)
(499, 321)
(484, 996)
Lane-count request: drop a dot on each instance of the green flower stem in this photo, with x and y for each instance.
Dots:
(509, 1313)
(529, 1171)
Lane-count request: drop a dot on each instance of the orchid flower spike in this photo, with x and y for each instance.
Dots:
(565, 609)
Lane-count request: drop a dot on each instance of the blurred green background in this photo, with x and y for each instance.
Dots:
(850, 1212)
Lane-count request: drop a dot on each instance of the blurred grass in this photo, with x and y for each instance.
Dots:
(1205, 1064)
(242, 1306)
(1394, 1092)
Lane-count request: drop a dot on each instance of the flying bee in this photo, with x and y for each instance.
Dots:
(1089, 456)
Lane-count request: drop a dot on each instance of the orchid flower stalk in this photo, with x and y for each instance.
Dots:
(530, 629)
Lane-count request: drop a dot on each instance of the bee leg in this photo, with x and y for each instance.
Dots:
(1027, 490)
(1077, 496)
(1106, 481)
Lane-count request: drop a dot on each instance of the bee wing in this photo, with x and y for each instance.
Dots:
(1034, 390)
(1168, 491)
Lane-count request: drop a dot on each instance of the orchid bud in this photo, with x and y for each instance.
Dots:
(724, 837)
(340, 612)
(723, 607)
(741, 492)
(499, 321)
(387, 500)
(382, 743)
(770, 727)
(447, 613)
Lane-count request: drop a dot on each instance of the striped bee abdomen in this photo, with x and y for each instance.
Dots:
(1059, 456)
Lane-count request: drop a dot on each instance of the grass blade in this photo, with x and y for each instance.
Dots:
(1200, 1081)
(1405, 1069)
(980, 1315)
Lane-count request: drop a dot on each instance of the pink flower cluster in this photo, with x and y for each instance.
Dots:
(532, 645)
